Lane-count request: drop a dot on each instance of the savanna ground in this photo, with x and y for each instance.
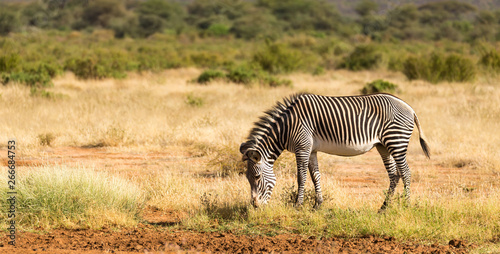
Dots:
(151, 163)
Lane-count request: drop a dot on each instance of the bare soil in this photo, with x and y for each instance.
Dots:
(148, 238)
(155, 235)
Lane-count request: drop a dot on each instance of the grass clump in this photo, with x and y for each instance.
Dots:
(379, 86)
(194, 101)
(227, 161)
(46, 139)
(438, 67)
(364, 57)
(75, 197)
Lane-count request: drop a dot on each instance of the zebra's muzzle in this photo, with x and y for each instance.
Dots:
(255, 202)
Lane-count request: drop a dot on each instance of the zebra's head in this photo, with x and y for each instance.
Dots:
(260, 174)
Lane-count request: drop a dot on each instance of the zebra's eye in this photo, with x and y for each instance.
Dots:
(257, 176)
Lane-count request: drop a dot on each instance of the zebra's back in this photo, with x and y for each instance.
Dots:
(351, 125)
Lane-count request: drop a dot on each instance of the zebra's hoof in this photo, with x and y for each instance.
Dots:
(317, 206)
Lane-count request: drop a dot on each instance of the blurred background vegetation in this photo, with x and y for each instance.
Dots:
(247, 41)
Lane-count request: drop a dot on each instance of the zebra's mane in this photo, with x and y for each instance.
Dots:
(270, 116)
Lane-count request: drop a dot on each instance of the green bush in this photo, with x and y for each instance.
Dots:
(278, 58)
(207, 59)
(242, 75)
(364, 57)
(218, 30)
(85, 68)
(379, 86)
(491, 59)
(102, 64)
(210, 75)
(28, 78)
(438, 67)
(9, 62)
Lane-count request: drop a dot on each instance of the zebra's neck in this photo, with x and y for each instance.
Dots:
(271, 134)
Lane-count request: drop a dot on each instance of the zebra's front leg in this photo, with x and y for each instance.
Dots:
(301, 179)
(316, 177)
(390, 166)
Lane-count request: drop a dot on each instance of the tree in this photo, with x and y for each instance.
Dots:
(9, 21)
(204, 14)
(304, 14)
(246, 27)
(366, 8)
(101, 12)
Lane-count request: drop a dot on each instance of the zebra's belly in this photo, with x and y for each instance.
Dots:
(343, 149)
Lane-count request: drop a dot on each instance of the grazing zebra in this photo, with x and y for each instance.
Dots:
(305, 124)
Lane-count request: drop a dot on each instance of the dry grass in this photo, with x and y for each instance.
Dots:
(151, 112)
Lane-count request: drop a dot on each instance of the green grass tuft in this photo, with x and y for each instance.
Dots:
(74, 197)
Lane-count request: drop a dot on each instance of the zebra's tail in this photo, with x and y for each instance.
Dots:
(423, 144)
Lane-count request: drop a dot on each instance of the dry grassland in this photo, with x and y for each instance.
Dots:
(455, 194)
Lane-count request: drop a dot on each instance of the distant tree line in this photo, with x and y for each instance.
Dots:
(453, 20)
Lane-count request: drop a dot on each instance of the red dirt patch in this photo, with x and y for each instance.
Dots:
(147, 238)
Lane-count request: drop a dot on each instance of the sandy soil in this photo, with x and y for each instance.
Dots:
(155, 235)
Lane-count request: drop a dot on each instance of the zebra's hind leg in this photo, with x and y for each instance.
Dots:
(390, 166)
(403, 167)
(316, 177)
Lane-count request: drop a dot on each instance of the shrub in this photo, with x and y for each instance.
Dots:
(85, 68)
(438, 67)
(28, 78)
(207, 59)
(491, 59)
(364, 57)
(459, 68)
(209, 75)
(102, 64)
(9, 62)
(242, 75)
(278, 58)
(379, 86)
(218, 30)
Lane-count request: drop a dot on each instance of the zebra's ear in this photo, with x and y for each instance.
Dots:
(244, 147)
(249, 152)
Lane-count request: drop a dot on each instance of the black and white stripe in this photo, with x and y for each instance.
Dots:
(348, 126)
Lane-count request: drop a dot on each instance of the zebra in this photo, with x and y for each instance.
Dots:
(305, 124)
